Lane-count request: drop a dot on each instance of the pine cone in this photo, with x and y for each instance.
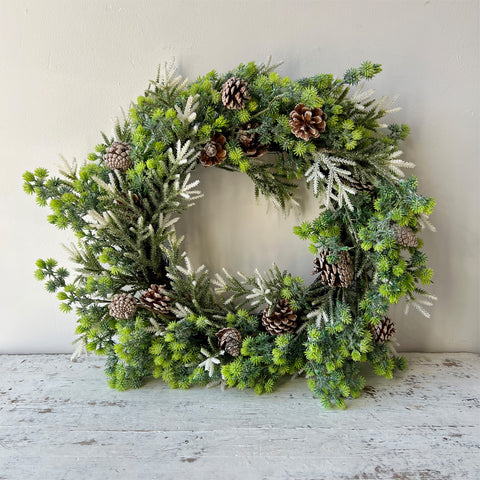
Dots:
(213, 152)
(249, 142)
(360, 186)
(405, 236)
(137, 201)
(383, 331)
(230, 340)
(306, 123)
(338, 274)
(283, 319)
(234, 93)
(117, 156)
(156, 299)
(122, 306)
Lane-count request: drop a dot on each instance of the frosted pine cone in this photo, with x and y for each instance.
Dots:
(338, 274)
(250, 143)
(405, 236)
(306, 123)
(156, 299)
(230, 340)
(122, 306)
(360, 186)
(383, 331)
(283, 319)
(214, 152)
(117, 156)
(234, 93)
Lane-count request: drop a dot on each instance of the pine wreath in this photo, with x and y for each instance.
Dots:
(143, 305)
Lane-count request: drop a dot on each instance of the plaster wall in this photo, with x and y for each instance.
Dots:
(68, 66)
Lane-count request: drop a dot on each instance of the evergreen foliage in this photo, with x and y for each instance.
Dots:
(125, 225)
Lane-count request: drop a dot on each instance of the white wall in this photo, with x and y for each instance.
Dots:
(68, 66)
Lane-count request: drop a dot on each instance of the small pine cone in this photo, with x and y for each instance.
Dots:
(156, 299)
(122, 306)
(405, 236)
(250, 143)
(213, 152)
(137, 201)
(283, 319)
(117, 156)
(234, 93)
(306, 123)
(338, 274)
(360, 186)
(383, 331)
(230, 340)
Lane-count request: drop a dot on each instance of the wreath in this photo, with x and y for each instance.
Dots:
(140, 301)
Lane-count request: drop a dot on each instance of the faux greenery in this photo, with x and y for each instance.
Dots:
(125, 225)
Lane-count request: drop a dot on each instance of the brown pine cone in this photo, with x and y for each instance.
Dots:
(213, 152)
(230, 340)
(234, 93)
(122, 306)
(249, 142)
(360, 186)
(306, 123)
(156, 299)
(405, 236)
(137, 201)
(283, 319)
(338, 274)
(383, 331)
(117, 156)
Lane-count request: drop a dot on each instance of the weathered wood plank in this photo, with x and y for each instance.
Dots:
(60, 420)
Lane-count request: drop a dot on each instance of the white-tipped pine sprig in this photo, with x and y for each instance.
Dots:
(261, 292)
(361, 95)
(188, 269)
(168, 78)
(155, 328)
(184, 154)
(102, 221)
(320, 316)
(289, 204)
(335, 178)
(165, 221)
(189, 113)
(219, 283)
(80, 349)
(419, 304)
(424, 222)
(395, 163)
(209, 363)
(392, 346)
(68, 169)
(387, 103)
(186, 190)
(314, 175)
(180, 311)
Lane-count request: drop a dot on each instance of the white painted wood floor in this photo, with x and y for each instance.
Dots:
(59, 420)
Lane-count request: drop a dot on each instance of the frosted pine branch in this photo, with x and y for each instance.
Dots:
(189, 113)
(360, 96)
(186, 190)
(209, 363)
(420, 304)
(424, 222)
(395, 163)
(168, 78)
(314, 175)
(181, 311)
(335, 179)
(184, 154)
